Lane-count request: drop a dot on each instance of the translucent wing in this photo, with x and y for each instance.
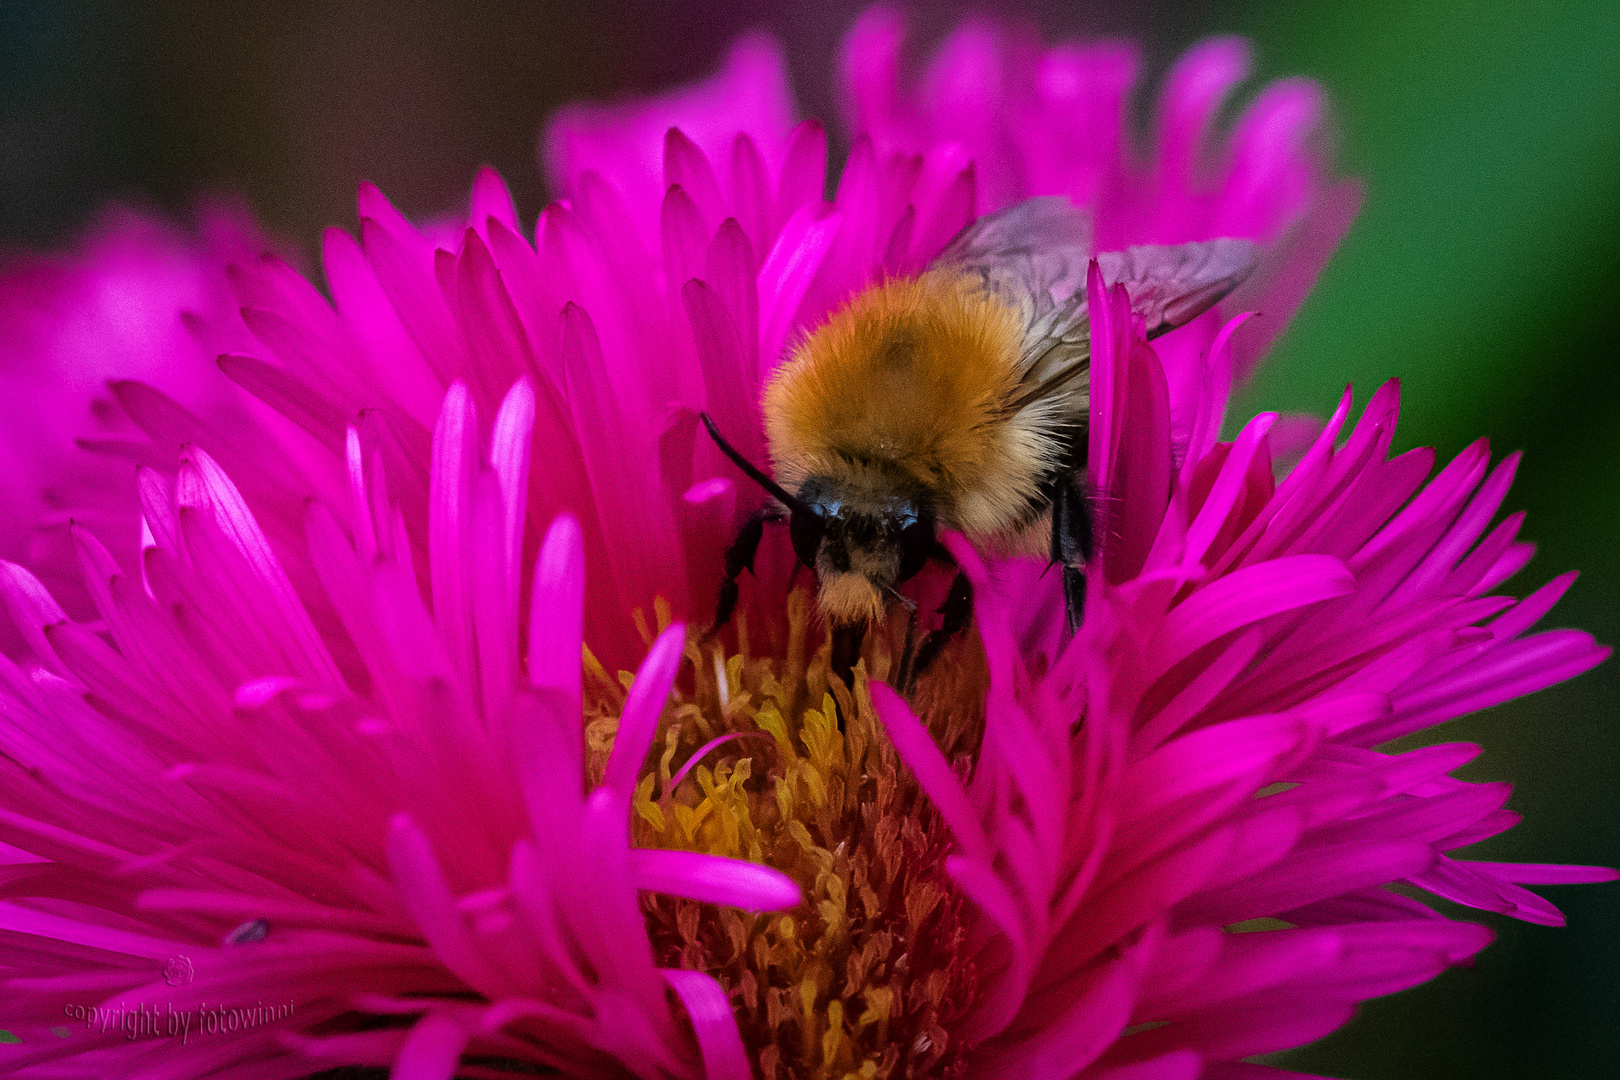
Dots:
(1036, 251)
(1034, 256)
(1171, 286)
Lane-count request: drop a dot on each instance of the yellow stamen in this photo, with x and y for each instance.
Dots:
(865, 979)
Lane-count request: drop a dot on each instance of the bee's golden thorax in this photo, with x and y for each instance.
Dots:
(903, 391)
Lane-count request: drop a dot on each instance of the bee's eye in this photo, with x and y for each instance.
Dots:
(916, 544)
(806, 532)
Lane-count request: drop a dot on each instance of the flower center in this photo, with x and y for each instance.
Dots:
(867, 977)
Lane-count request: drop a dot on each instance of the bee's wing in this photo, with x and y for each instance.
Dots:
(1034, 256)
(1033, 253)
(1171, 286)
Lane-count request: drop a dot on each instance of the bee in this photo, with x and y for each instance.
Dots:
(955, 399)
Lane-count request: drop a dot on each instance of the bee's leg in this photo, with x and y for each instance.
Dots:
(908, 651)
(958, 612)
(846, 650)
(739, 557)
(846, 653)
(1074, 595)
(1071, 544)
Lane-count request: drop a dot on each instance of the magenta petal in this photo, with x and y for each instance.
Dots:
(955, 207)
(1474, 885)
(786, 274)
(686, 167)
(725, 368)
(22, 920)
(204, 486)
(427, 897)
(365, 307)
(1247, 596)
(607, 906)
(749, 93)
(1310, 875)
(804, 170)
(917, 750)
(639, 721)
(1195, 88)
(1327, 223)
(432, 1050)
(1218, 504)
(1545, 873)
(1240, 1030)
(1520, 667)
(1529, 611)
(615, 448)
(413, 296)
(556, 611)
(1141, 477)
(455, 461)
(730, 268)
(491, 199)
(710, 879)
(751, 192)
(685, 235)
(288, 395)
(494, 333)
(1215, 755)
(869, 66)
(709, 1009)
(1277, 176)
(1094, 1020)
(32, 609)
(157, 414)
(509, 456)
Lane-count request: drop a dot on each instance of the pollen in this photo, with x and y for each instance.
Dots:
(867, 978)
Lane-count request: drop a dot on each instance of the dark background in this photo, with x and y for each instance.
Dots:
(1483, 270)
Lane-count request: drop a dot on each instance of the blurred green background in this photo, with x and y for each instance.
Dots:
(1483, 270)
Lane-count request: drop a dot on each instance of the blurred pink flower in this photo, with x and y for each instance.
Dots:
(1048, 121)
(114, 308)
(330, 743)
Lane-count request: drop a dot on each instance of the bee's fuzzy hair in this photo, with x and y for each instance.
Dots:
(904, 388)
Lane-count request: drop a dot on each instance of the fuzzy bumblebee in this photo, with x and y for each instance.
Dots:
(957, 399)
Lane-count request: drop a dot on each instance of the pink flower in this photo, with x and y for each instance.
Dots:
(326, 785)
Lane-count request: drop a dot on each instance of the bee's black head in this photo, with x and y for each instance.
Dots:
(860, 546)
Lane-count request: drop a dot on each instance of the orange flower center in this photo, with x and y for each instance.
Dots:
(867, 977)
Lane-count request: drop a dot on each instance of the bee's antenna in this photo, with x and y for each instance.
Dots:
(792, 502)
